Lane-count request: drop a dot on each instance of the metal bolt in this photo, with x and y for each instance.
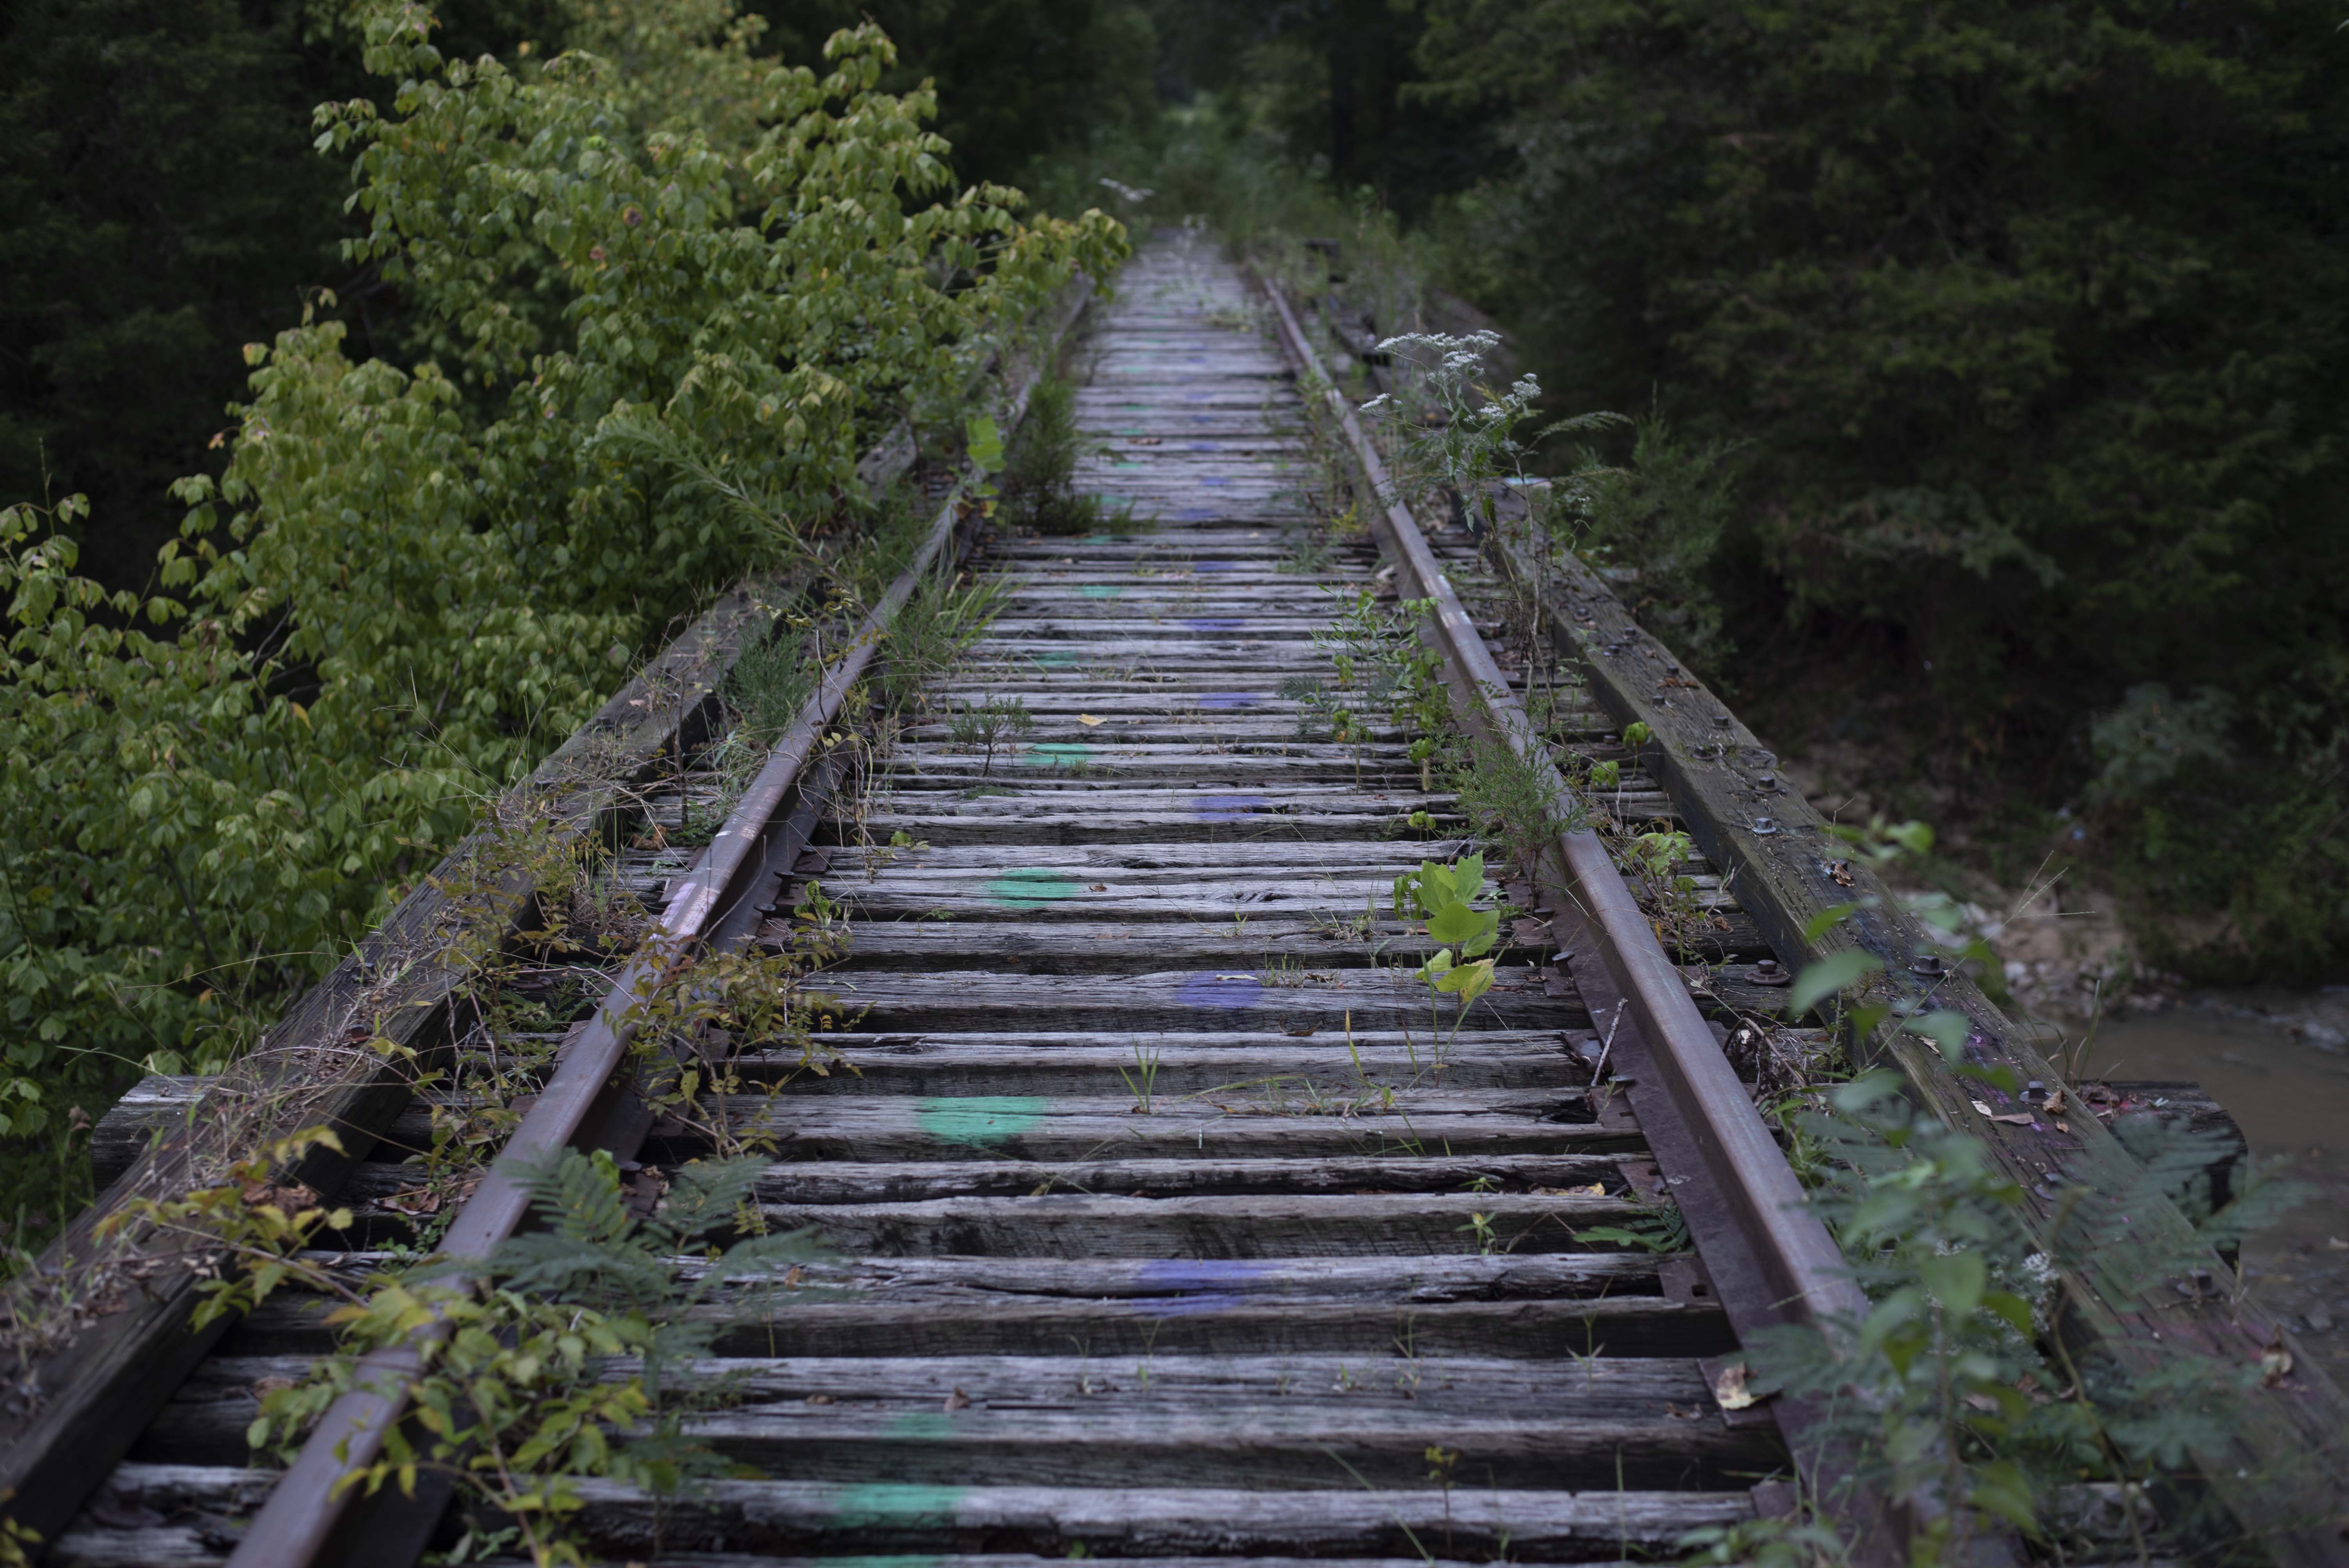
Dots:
(1768, 780)
(1926, 963)
(1768, 972)
(1764, 826)
(1721, 719)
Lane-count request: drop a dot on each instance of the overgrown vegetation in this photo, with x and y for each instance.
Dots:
(666, 299)
(1038, 480)
(575, 1357)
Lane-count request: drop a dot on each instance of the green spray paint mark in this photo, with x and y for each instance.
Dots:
(980, 1120)
(1057, 754)
(1099, 590)
(1057, 661)
(1030, 888)
(869, 1503)
(922, 1424)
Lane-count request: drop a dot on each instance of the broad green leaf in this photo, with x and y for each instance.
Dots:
(1945, 1029)
(1828, 976)
(1827, 919)
(1956, 1280)
(2010, 1307)
(1468, 877)
(1457, 923)
(1468, 981)
(984, 443)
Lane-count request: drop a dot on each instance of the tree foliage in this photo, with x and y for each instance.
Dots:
(159, 207)
(2026, 316)
(665, 291)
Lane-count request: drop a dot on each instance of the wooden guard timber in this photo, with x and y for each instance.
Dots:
(1172, 1222)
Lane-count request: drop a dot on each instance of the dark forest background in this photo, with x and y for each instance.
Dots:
(2013, 333)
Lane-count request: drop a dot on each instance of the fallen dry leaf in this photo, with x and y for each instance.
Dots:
(294, 1199)
(1144, 440)
(1089, 721)
(819, 1399)
(1099, 887)
(1729, 1390)
(957, 1400)
(2275, 1363)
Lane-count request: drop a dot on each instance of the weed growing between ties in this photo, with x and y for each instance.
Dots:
(1038, 480)
(1442, 896)
(692, 1033)
(572, 1359)
(1000, 722)
(1381, 669)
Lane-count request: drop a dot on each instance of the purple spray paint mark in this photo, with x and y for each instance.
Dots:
(1189, 1305)
(1201, 1274)
(1195, 514)
(1214, 565)
(1214, 622)
(1227, 807)
(1230, 699)
(1197, 1286)
(1223, 992)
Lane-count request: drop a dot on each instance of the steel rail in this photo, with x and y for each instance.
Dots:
(1803, 1277)
(297, 1521)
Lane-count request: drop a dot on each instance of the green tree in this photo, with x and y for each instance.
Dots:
(665, 291)
(157, 207)
(2029, 316)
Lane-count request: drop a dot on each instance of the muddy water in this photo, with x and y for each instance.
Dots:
(2280, 1068)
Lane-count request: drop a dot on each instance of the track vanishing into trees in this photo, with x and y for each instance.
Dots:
(1172, 1218)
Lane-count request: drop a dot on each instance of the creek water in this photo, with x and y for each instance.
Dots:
(2279, 1064)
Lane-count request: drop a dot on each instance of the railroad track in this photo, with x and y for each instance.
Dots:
(1169, 1217)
